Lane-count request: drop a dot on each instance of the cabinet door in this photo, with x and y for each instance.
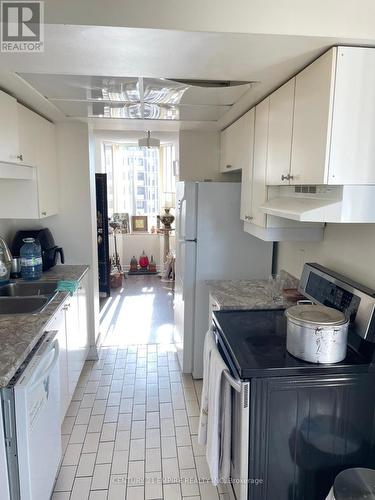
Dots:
(280, 134)
(58, 324)
(27, 135)
(224, 146)
(260, 160)
(352, 157)
(73, 342)
(9, 140)
(46, 162)
(316, 426)
(236, 143)
(312, 121)
(83, 323)
(247, 165)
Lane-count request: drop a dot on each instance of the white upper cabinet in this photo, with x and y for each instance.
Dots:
(280, 134)
(247, 167)
(236, 144)
(9, 138)
(27, 136)
(29, 191)
(312, 120)
(352, 148)
(259, 188)
(46, 163)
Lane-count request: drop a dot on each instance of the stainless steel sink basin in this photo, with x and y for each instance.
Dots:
(26, 297)
(28, 289)
(23, 305)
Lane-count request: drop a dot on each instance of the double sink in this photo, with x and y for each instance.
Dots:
(26, 297)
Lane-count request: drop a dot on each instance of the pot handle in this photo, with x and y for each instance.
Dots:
(305, 301)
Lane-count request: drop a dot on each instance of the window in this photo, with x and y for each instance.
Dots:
(139, 180)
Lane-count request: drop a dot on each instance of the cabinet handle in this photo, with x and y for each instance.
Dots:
(20, 157)
(287, 177)
(228, 166)
(248, 217)
(44, 213)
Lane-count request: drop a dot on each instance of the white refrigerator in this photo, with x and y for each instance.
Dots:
(210, 245)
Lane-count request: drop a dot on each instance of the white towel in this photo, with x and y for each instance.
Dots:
(215, 415)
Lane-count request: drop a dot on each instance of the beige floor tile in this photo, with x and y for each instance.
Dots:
(86, 464)
(72, 454)
(91, 442)
(120, 462)
(81, 488)
(105, 452)
(100, 480)
(65, 478)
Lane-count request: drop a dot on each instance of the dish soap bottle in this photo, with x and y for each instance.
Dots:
(31, 259)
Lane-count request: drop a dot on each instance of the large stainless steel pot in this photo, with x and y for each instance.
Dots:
(316, 333)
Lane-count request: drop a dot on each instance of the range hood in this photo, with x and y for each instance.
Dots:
(350, 204)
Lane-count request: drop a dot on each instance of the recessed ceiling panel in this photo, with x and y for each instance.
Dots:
(135, 98)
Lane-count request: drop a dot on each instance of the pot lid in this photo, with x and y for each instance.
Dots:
(316, 315)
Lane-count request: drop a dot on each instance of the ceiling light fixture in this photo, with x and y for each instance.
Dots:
(148, 142)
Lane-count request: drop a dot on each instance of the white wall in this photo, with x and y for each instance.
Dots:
(350, 18)
(74, 227)
(347, 248)
(199, 155)
(134, 244)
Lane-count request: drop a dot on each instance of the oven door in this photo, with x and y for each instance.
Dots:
(239, 475)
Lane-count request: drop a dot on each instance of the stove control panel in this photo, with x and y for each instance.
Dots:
(327, 287)
(332, 295)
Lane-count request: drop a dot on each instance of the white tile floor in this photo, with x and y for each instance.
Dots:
(131, 431)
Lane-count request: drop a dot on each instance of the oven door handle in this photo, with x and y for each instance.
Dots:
(236, 384)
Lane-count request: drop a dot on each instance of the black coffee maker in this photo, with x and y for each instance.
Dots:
(50, 251)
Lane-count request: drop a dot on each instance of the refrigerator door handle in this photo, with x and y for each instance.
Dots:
(180, 205)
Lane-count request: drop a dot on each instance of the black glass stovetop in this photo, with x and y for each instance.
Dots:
(256, 343)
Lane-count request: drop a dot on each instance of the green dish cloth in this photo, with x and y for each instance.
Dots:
(70, 286)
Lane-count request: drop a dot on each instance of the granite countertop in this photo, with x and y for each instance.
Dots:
(248, 294)
(19, 333)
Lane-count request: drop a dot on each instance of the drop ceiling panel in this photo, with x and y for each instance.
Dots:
(80, 96)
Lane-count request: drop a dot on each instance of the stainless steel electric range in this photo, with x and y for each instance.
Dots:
(295, 424)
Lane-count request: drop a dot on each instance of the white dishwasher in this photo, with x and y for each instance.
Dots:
(31, 407)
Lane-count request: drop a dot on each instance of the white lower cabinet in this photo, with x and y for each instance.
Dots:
(73, 342)
(70, 322)
(60, 326)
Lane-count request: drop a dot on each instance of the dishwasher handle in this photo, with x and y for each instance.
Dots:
(50, 367)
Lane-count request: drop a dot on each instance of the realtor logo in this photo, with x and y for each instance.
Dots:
(22, 26)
